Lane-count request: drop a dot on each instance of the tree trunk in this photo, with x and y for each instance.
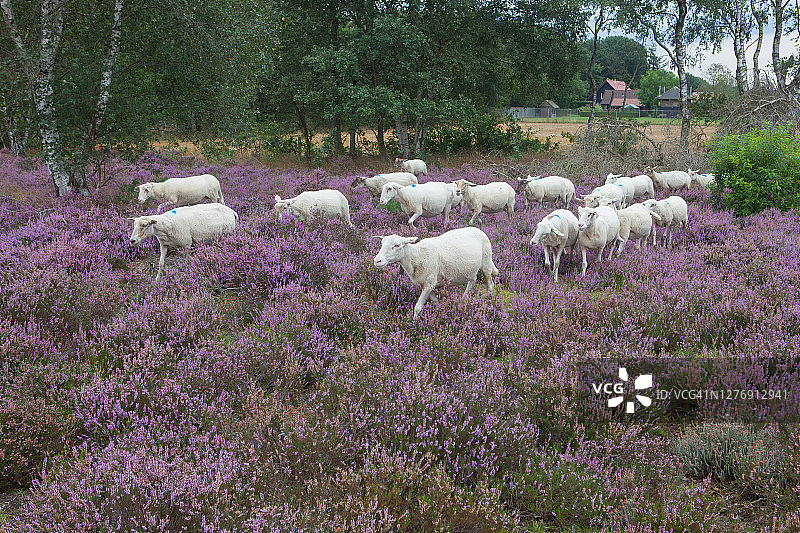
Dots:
(680, 65)
(739, 47)
(338, 147)
(401, 129)
(108, 70)
(352, 142)
(419, 135)
(380, 138)
(596, 33)
(301, 119)
(760, 22)
(778, 68)
(52, 26)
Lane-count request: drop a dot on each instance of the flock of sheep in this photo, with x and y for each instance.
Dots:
(607, 219)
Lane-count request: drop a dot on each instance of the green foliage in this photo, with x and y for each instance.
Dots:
(709, 105)
(562, 492)
(486, 132)
(755, 459)
(757, 170)
(653, 84)
(620, 58)
(574, 94)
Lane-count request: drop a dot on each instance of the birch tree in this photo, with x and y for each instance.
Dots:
(37, 42)
(672, 25)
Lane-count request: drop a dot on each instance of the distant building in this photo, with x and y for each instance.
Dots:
(615, 100)
(669, 103)
(609, 85)
(548, 109)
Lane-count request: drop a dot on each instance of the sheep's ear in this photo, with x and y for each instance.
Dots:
(377, 237)
(557, 233)
(152, 222)
(130, 218)
(277, 198)
(471, 184)
(410, 240)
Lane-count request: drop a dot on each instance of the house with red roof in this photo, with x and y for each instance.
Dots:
(614, 95)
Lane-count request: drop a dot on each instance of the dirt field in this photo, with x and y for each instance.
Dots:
(659, 133)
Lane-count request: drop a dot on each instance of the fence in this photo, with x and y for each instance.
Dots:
(546, 112)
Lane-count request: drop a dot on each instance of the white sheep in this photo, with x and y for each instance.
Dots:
(673, 213)
(457, 198)
(182, 191)
(426, 200)
(326, 203)
(704, 180)
(375, 183)
(635, 224)
(555, 232)
(547, 189)
(181, 227)
(619, 193)
(455, 257)
(674, 180)
(490, 198)
(597, 228)
(642, 184)
(414, 166)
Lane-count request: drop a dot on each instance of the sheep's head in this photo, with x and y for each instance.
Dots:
(654, 206)
(545, 231)
(143, 227)
(648, 171)
(612, 178)
(392, 249)
(591, 200)
(523, 182)
(145, 192)
(462, 185)
(358, 182)
(282, 205)
(389, 191)
(398, 162)
(586, 218)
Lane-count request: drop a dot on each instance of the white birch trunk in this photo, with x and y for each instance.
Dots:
(680, 65)
(738, 46)
(52, 26)
(108, 70)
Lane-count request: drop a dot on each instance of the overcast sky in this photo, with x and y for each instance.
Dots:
(706, 58)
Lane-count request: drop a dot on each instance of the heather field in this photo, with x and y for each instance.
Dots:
(274, 380)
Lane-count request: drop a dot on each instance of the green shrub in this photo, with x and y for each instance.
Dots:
(756, 460)
(757, 170)
(486, 132)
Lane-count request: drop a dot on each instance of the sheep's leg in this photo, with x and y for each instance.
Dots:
(600, 253)
(161, 262)
(510, 211)
(426, 291)
(475, 215)
(487, 273)
(470, 284)
(447, 214)
(547, 258)
(557, 263)
(414, 217)
(221, 198)
(347, 220)
(584, 263)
